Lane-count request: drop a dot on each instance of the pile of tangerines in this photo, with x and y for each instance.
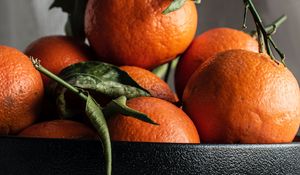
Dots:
(227, 92)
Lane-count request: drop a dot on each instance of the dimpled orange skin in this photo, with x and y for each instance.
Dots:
(65, 129)
(174, 125)
(243, 97)
(136, 33)
(207, 45)
(152, 83)
(58, 52)
(21, 91)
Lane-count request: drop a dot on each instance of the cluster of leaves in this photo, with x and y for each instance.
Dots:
(101, 79)
(105, 79)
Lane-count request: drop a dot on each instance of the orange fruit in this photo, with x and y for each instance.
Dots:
(58, 52)
(152, 83)
(243, 97)
(174, 125)
(207, 45)
(21, 91)
(136, 33)
(66, 129)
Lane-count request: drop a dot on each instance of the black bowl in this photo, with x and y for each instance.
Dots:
(22, 156)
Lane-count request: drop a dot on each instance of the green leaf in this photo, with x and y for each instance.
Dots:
(67, 110)
(118, 106)
(175, 5)
(61, 102)
(162, 69)
(99, 79)
(76, 10)
(94, 113)
(104, 78)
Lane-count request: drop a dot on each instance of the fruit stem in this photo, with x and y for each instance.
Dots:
(245, 16)
(272, 28)
(259, 26)
(37, 64)
(261, 39)
(265, 38)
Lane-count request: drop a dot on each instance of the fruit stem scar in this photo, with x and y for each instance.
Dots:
(37, 64)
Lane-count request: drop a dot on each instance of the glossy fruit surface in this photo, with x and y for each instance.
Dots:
(58, 52)
(152, 83)
(243, 97)
(136, 33)
(174, 125)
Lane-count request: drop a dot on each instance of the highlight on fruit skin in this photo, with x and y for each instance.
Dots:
(57, 52)
(205, 46)
(136, 33)
(21, 91)
(152, 83)
(65, 129)
(243, 97)
(173, 124)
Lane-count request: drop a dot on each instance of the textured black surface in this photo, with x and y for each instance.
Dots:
(21, 156)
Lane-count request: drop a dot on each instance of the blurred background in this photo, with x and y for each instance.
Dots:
(22, 21)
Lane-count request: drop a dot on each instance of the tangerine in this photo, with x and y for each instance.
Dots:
(243, 97)
(57, 52)
(152, 83)
(174, 125)
(136, 33)
(21, 91)
(207, 45)
(65, 129)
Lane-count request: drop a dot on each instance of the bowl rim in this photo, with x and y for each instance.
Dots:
(204, 145)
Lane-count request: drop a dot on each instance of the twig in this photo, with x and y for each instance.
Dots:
(37, 64)
(265, 38)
